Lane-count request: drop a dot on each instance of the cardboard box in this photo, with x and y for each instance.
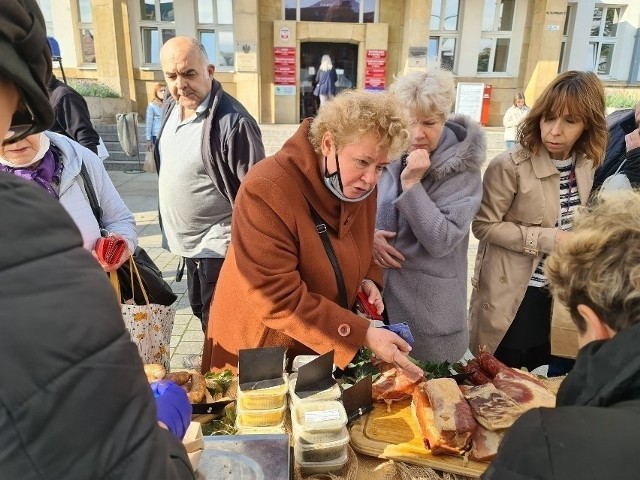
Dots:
(194, 443)
(564, 333)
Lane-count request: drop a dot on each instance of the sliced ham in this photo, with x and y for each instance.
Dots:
(392, 385)
(523, 390)
(484, 444)
(492, 408)
(444, 416)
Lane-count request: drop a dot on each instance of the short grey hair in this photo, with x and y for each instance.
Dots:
(431, 92)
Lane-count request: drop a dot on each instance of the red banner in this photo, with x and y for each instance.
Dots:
(374, 82)
(285, 80)
(376, 54)
(284, 52)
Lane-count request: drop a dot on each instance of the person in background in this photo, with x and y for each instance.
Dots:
(153, 119)
(278, 286)
(513, 117)
(81, 361)
(426, 202)
(529, 195)
(624, 143)
(53, 162)
(592, 433)
(325, 80)
(72, 117)
(206, 144)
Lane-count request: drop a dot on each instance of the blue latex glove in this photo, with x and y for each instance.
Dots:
(172, 405)
(402, 330)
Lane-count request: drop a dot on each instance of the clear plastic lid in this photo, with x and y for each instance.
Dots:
(332, 393)
(264, 398)
(310, 468)
(280, 430)
(318, 417)
(260, 418)
(321, 447)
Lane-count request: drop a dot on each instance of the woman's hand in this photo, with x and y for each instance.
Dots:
(124, 258)
(386, 255)
(373, 294)
(418, 162)
(390, 348)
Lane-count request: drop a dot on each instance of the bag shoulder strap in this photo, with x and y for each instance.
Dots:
(91, 195)
(321, 228)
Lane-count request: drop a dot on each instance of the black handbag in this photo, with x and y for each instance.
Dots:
(158, 290)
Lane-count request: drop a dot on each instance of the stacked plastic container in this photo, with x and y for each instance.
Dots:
(319, 430)
(262, 411)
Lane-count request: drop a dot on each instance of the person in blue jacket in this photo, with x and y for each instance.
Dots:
(153, 118)
(326, 80)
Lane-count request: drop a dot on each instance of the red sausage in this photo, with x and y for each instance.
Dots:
(476, 375)
(490, 364)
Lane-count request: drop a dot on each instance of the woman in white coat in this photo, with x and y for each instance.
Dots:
(513, 117)
(53, 162)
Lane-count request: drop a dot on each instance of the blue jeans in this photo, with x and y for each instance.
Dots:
(510, 144)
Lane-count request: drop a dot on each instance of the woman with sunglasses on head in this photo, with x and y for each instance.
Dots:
(530, 194)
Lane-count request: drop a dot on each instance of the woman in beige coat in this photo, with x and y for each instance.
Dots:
(529, 196)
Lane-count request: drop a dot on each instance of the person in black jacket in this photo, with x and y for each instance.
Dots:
(592, 433)
(72, 117)
(623, 124)
(74, 399)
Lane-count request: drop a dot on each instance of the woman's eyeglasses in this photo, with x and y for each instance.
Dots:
(23, 124)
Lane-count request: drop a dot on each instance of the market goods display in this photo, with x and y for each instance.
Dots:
(447, 426)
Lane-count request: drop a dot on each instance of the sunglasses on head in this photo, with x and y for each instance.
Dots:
(23, 124)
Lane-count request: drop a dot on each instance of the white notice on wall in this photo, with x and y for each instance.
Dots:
(285, 90)
(469, 99)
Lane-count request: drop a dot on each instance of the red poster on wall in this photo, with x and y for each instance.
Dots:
(284, 65)
(375, 71)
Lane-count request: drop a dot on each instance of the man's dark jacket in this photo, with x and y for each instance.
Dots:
(620, 124)
(231, 140)
(72, 117)
(74, 399)
(593, 432)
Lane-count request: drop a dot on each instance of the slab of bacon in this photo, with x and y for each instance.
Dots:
(444, 416)
(392, 385)
(492, 408)
(485, 443)
(527, 393)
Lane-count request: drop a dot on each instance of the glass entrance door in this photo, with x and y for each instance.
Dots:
(344, 57)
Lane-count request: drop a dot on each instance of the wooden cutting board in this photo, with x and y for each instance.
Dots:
(395, 435)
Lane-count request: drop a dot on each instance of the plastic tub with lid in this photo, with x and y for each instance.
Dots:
(263, 398)
(332, 466)
(260, 418)
(321, 447)
(332, 393)
(318, 417)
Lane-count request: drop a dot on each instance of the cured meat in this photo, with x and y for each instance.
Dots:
(485, 443)
(525, 392)
(392, 385)
(476, 375)
(444, 416)
(490, 364)
(492, 408)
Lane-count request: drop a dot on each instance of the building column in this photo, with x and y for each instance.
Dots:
(544, 47)
(417, 16)
(114, 60)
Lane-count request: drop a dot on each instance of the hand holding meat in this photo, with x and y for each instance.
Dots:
(418, 162)
(390, 348)
(385, 254)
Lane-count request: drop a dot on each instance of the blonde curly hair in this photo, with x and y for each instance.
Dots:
(352, 113)
(599, 266)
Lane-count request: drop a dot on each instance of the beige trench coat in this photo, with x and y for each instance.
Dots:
(515, 226)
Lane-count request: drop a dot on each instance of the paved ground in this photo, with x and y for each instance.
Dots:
(140, 193)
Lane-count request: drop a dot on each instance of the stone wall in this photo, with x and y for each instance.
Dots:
(103, 110)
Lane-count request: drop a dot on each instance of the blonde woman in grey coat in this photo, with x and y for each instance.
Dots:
(426, 203)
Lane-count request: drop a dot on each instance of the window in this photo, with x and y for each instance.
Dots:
(604, 29)
(331, 11)
(45, 7)
(85, 25)
(563, 47)
(497, 23)
(444, 33)
(156, 27)
(215, 32)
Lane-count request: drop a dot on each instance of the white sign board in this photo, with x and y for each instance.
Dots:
(285, 90)
(469, 99)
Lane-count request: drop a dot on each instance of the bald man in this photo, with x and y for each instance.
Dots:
(207, 143)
